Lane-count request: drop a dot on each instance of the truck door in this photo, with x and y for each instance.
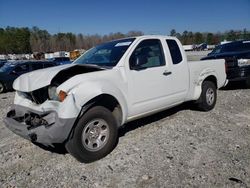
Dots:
(150, 82)
(180, 69)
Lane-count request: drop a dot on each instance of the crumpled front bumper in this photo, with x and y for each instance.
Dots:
(41, 127)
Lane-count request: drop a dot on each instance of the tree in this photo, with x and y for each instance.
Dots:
(40, 40)
(173, 32)
(26, 40)
(190, 38)
(231, 35)
(198, 39)
(184, 37)
(209, 39)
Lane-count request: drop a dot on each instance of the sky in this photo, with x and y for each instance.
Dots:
(107, 16)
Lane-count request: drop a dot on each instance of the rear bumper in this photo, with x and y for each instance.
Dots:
(238, 74)
(44, 128)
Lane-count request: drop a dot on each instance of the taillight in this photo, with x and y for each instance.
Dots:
(231, 61)
(226, 67)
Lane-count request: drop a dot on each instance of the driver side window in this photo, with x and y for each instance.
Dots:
(21, 68)
(147, 54)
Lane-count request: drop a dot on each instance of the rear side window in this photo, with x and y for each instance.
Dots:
(246, 45)
(22, 68)
(174, 51)
(232, 47)
(36, 66)
(46, 65)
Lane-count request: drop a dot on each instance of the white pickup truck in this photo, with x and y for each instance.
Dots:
(83, 104)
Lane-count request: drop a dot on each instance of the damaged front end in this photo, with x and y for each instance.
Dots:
(44, 115)
(44, 127)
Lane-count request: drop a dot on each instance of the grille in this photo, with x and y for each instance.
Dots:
(38, 96)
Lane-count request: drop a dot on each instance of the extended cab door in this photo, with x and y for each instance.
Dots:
(149, 79)
(179, 68)
(154, 81)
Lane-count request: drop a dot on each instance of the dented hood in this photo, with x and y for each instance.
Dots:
(43, 77)
(37, 79)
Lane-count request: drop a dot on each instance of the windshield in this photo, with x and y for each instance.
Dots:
(107, 54)
(6, 67)
(216, 50)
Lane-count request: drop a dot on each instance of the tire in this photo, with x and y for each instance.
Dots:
(208, 97)
(94, 136)
(2, 88)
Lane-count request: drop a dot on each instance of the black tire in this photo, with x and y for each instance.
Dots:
(88, 141)
(2, 88)
(208, 97)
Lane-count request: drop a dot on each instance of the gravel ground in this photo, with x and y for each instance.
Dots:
(180, 147)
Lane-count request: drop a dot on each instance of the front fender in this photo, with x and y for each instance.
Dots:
(84, 92)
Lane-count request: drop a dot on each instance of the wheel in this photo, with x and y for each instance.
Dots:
(1, 87)
(94, 136)
(208, 96)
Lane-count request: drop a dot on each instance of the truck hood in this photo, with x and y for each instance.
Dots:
(40, 78)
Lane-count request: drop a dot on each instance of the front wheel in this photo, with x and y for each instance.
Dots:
(208, 97)
(94, 136)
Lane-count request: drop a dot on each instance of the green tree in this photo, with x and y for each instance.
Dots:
(231, 35)
(173, 32)
(184, 37)
(209, 39)
(198, 38)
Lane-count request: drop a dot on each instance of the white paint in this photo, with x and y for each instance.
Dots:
(139, 93)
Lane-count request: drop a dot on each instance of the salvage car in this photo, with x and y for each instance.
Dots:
(2, 62)
(61, 60)
(83, 104)
(11, 70)
(237, 57)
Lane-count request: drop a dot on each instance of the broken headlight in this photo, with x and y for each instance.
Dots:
(54, 96)
(52, 93)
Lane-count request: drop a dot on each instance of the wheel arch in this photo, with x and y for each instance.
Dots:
(213, 79)
(198, 85)
(108, 101)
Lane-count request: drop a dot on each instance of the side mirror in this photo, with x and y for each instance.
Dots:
(137, 61)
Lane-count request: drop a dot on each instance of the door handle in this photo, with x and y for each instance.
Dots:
(166, 73)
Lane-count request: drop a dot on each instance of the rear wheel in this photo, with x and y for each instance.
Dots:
(208, 96)
(1, 87)
(94, 136)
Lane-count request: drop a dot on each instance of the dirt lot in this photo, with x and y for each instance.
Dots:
(176, 148)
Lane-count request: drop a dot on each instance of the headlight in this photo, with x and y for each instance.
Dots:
(52, 93)
(243, 62)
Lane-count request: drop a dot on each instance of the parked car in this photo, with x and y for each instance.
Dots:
(11, 70)
(83, 104)
(237, 57)
(200, 47)
(2, 62)
(61, 60)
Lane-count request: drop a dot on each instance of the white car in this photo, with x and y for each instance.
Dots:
(83, 104)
